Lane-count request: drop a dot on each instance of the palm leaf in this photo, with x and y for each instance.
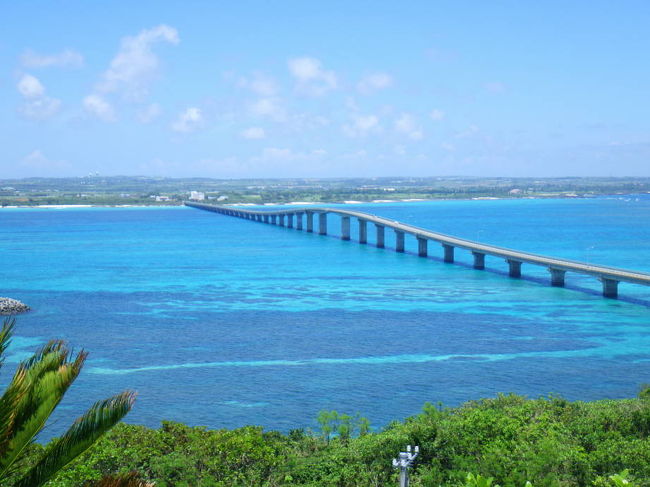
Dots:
(37, 388)
(82, 434)
(5, 337)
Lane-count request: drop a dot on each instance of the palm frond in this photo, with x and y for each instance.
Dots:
(37, 388)
(101, 417)
(5, 337)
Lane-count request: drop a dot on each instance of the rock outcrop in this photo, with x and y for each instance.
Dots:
(9, 306)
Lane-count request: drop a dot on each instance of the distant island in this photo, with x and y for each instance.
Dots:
(95, 190)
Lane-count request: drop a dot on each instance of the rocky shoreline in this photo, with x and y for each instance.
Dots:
(9, 306)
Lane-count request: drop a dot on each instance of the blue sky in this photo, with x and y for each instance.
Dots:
(325, 89)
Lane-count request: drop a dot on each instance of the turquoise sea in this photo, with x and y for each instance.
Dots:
(224, 322)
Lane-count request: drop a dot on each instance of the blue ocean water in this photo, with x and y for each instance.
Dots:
(224, 322)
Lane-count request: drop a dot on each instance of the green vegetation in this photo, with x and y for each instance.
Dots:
(508, 440)
(123, 190)
(36, 389)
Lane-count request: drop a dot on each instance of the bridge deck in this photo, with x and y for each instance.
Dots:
(599, 271)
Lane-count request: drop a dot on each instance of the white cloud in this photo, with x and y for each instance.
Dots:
(149, 113)
(361, 125)
(40, 108)
(374, 82)
(407, 125)
(98, 107)
(37, 106)
(437, 114)
(37, 160)
(269, 107)
(67, 58)
(260, 85)
(30, 87)
(135, 64)
(253, 133)
(188, 121)
(282, 154)
(311, 78)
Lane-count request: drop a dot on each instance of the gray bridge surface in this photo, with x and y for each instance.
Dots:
(609, 276)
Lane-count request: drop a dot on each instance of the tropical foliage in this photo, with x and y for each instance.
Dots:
(37, 387)
(505, 441)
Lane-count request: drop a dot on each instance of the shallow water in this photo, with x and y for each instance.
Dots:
(224, 322)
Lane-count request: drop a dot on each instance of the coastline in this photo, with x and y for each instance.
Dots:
(345, 202)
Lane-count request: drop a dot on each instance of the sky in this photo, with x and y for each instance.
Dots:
(265, 89)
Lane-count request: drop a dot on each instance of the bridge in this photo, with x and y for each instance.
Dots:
(293, 218)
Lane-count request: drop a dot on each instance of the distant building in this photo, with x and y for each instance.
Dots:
(197, 195)
(162, 198)
(222, 198)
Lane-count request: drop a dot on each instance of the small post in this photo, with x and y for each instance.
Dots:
(514, 268)
(610, 287)
(479, 260)
(380, 235)
(557, 277)
(399, 241)
(449, 253)
(422, 246)
(345, 228)
(322, 224)
(403, 462)
(363, 231)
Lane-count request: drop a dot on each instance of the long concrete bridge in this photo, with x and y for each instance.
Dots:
(293, 218)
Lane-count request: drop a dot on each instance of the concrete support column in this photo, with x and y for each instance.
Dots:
(281, 218)
(479, 260)
(299, 220)
(557, 277)
(399, 241)
(380, 235)
(322, 224)
(310, 221)
(266, 218)
(274, 219)
(345, 228)
(290, 220)
(610, 287)
(422, 246)
(515, 268)
(363, 231)
(449, 252)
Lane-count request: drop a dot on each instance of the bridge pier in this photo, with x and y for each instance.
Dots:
(557, 277)
(310, 221)
(514, 268)
(266, 218)
(363, 231)
(274, 219)
(345, 228)
(322, 224)
(449, 253)
(281, 217)
(290, 220)
(380, 235)
(479, 260)
(399, 241)
(610, 287)
(299, 220)
(422, 246)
